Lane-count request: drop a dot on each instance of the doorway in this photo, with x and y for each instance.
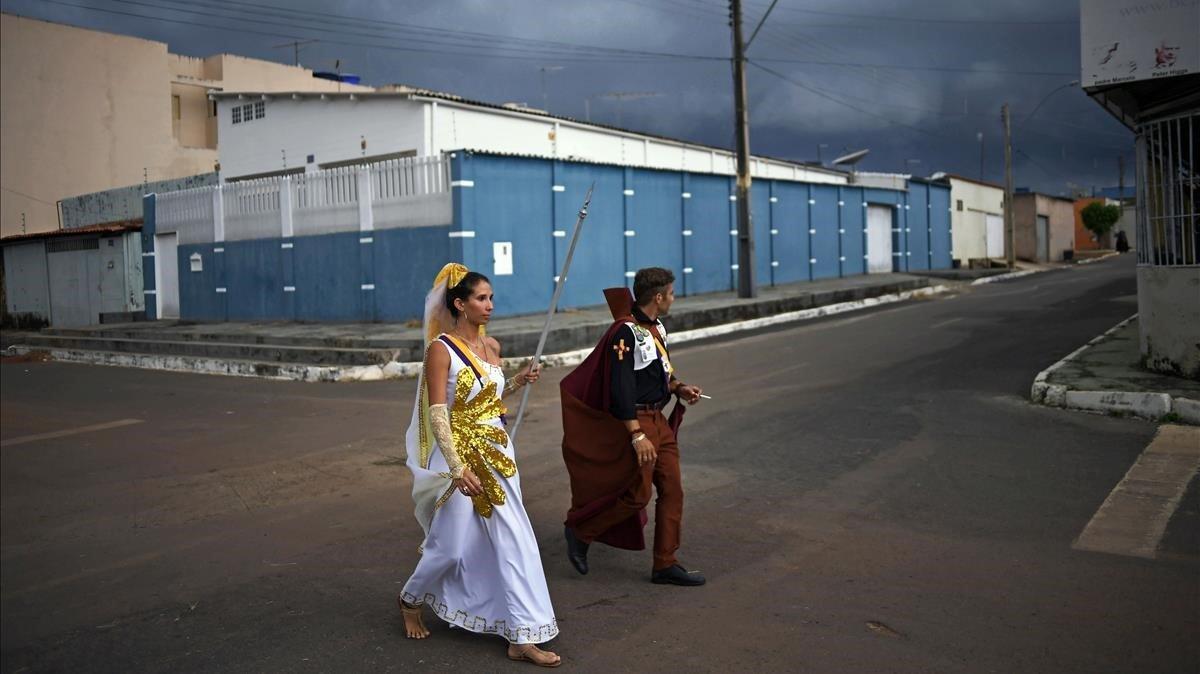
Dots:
(166, 274)
(879, 240)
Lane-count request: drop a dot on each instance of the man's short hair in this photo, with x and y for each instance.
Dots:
(649, 282)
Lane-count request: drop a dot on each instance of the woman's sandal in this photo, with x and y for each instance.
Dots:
(531, 653)
(414, 627)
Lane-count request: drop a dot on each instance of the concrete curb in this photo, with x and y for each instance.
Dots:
(1005, 277)
(1028, 272)
(1093, 260)
(404, 370)
(1142, 404)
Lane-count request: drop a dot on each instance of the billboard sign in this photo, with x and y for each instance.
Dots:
(1129, 41)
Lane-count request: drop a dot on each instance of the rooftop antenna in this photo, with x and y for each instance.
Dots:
(295, 45)
(851, 159)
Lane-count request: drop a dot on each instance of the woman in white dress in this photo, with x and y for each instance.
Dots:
(480, 568)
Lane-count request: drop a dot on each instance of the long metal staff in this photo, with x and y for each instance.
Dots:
(558, 287)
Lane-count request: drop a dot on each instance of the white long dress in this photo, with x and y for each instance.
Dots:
(482, 574)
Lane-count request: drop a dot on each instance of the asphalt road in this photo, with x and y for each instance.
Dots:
(870, 492)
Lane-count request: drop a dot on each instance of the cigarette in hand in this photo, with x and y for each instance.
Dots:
(705, 397)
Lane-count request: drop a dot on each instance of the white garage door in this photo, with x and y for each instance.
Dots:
(994, 225)
(879, 240)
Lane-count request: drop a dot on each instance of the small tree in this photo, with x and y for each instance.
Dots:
(1100, 217)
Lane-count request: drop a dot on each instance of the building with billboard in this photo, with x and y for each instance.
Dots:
(1141, 62)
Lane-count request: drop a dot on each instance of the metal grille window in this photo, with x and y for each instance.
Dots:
(260, 110)
(237, 114)
(1168, 222)
(64, 245)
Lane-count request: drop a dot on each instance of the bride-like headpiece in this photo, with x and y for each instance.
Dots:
(437, 316)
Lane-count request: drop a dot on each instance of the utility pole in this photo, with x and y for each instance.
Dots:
(745, 231)
(1009, 229)
(1121, 178)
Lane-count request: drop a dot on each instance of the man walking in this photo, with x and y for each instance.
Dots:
(617, 443)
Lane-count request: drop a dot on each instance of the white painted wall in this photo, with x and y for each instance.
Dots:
(970, 223)
(331, 130)
(462, 126)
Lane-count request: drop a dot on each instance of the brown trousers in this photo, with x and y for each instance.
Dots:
(663, 474)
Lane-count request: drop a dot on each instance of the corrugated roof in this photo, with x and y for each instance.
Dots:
(972, 180)
(118, 227)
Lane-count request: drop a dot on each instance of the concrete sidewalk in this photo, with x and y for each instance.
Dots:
(1105, 375)
(367, 351)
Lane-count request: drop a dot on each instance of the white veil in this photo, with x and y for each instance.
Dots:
(429, 485)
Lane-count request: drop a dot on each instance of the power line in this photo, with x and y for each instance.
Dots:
(497, 52)
(826, 95)
(888, 66)
(1049, 174)
(761, 22)
(458, 39)
(370, 23)
(917, 19)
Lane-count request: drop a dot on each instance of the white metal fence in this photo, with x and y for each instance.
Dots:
(188, 212)
(408, 192)
(1168, 222)
(252, 209)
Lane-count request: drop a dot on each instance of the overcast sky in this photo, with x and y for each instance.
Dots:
(915, 81)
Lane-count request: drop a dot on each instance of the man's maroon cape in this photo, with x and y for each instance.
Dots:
(596, 446)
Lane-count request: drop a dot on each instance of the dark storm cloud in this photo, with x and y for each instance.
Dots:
(915, 81)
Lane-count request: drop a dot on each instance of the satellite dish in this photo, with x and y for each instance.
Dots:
(851, 159)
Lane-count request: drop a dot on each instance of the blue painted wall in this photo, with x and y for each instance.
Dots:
(760, 218)
(657, 220)
(941, 238)
(918, 229)
(198, 296)
(791, 220)
(406, 260)
(823, 242)
(254, 276)
(512, 201)
(853, 238)
(709, 250)
(525, 202)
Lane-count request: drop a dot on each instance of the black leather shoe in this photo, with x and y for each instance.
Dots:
(677, 575)
(576, 551)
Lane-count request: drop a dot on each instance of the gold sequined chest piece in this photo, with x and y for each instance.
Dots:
(476, 439)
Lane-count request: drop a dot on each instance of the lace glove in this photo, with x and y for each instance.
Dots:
(439, 421)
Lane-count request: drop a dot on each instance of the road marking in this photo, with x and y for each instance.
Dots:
(1134, 517)
(69, 431)
(943, 324)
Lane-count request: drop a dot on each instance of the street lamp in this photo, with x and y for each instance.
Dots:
(1046, 98)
